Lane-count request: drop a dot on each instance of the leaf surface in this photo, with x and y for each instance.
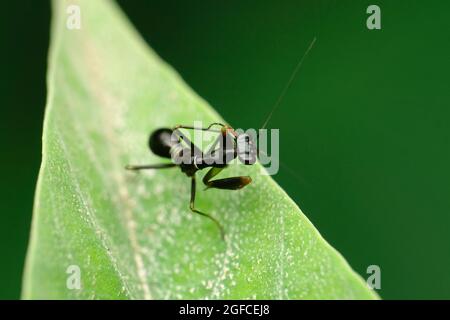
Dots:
(132, 235)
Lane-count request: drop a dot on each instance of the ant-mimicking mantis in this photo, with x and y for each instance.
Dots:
(166, 143)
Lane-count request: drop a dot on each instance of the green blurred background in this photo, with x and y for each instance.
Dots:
(364, 129)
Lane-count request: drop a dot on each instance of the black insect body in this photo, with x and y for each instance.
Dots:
(172, 144)
(229, 145)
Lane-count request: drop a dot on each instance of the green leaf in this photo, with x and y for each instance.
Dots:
(132, 235)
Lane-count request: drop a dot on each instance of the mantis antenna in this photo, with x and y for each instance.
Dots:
(289, 83)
